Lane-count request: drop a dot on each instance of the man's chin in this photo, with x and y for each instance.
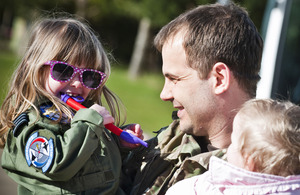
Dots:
(186, 128)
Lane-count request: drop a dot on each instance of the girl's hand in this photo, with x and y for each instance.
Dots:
(134, 129)
(107, 118)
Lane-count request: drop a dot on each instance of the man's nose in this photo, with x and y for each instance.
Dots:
(166, 93)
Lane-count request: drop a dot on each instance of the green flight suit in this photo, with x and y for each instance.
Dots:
(85, 157)
(171, 156)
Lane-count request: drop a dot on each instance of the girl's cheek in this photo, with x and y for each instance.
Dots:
(54, 87)
(86, 92)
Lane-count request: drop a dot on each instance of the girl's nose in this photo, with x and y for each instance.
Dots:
(75, 82)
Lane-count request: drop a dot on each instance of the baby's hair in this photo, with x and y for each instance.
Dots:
(270, 135)
(63, 39)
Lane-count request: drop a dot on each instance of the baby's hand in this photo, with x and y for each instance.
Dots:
(134, 129)
(107, 118)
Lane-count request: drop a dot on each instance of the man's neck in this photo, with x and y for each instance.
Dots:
(222, 141)
(222, 138)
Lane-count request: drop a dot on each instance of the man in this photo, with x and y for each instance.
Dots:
(211, 60)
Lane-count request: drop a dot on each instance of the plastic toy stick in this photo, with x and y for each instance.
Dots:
(128, 137)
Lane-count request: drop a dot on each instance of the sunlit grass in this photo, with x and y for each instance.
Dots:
(8, 63)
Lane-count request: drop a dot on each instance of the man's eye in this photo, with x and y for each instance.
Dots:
(174, 80)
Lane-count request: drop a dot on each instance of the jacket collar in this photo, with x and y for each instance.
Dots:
(237, 180)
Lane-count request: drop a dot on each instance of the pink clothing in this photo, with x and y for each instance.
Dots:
(225, 178)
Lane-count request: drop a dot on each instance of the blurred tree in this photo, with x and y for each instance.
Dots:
(151, 13)
(127, 27)
(255, 10)
(17, 14)
(81, 7)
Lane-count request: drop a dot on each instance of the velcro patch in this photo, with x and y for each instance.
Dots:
(39, 152)
(20, 120)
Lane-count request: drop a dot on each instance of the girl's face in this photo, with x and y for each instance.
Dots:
(71, 88)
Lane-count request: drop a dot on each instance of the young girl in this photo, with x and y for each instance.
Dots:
(48, 148)
(264, 155)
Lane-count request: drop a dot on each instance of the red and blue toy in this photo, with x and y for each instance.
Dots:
(128, 137)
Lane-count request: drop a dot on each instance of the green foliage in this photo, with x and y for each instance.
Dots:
(255, 10)
(7, 64)
(115, 20)
(29, 8)
(159, 12)
(97, 10)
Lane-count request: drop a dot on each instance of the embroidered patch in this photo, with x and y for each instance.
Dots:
(39, 152)
(49, 111)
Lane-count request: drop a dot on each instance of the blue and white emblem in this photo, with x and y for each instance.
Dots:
(39, 152)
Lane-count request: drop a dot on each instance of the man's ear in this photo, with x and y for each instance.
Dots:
(221, 75)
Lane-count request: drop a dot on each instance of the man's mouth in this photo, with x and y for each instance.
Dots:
(180, 112)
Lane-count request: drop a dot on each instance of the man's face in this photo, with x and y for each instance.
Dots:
(192, 96)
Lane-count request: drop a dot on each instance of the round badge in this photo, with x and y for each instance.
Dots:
(39, 152)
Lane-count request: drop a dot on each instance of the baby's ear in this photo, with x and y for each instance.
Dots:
(250, 164)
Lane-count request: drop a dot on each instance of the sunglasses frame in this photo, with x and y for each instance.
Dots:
(76, 70)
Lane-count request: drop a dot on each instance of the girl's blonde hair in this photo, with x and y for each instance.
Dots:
(270, 135)
(63, 39)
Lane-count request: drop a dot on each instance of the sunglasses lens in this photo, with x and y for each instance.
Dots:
(91, 79)
(62, 72)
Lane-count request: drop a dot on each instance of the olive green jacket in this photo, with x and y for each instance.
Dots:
(170, 157)
(84, 157)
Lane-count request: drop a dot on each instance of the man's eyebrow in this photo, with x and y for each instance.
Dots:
(169, 75)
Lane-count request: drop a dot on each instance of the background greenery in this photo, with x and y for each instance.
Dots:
(117, 22)
(7, 65)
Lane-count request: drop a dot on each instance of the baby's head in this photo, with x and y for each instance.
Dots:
(266, 137)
